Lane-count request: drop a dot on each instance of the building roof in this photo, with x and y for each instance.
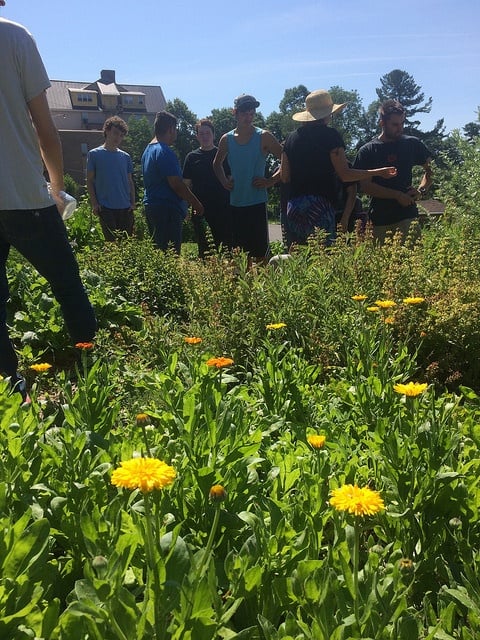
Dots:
(58, 95)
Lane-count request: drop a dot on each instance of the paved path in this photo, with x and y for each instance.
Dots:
(275, 232)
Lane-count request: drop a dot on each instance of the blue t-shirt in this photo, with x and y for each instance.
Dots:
(111, 169)
(158, 163)
(246, 161)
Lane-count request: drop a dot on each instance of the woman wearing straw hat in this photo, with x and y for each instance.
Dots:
(311, 157)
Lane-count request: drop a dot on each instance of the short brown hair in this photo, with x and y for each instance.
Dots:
(390, 108)
(164, 120)
(205, 122)
(114, 121)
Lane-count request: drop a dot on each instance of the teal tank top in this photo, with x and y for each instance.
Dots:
(246, 162)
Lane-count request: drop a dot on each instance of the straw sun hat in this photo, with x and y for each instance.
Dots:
(319, 105)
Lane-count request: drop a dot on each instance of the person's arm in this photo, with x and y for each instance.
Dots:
(269, 145)
(349, 205)
(347, 174)
(178, 185)
(92, 193)
(285, 168)
(227, 183)
(50, 145)
(132, 191)
(425, 182)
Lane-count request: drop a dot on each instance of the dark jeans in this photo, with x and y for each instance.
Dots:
(165, 224)
(40, 236)
(216, 219)
(115, 222)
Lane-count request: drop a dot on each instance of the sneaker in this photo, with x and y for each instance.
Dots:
(19, 385)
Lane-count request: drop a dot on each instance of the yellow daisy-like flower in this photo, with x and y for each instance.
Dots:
(373, 309)
(413, 300)
(276, 325)
(217, 493)
(389, 320)
(316, 441)
(219, 362)
(356, 500)
(411, 389)
(385, 304)
(145, 474)
(359, 297)
(85, 346)
(142, 418)
(40, 367)
(193, 340)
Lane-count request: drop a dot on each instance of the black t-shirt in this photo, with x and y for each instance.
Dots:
(198, 167)
(308, 152)
(403, 154)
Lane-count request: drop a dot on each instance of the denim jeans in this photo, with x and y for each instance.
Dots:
(40, 236)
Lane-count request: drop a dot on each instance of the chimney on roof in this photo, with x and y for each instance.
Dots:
(107, 76)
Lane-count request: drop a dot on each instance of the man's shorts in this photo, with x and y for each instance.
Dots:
(250, 229)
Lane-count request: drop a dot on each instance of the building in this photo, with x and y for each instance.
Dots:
(79, 110)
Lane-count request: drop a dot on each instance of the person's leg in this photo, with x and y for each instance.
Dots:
(220, 223)
(40, 236)
(199, 224)
(108, 224)
(174, 228)
(124, 221)
(8, 357)
(380, 232)
(157, 226)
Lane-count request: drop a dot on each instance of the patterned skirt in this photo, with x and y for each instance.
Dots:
(305, 214)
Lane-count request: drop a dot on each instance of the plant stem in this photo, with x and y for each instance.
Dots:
(152, 566)
(355, 560)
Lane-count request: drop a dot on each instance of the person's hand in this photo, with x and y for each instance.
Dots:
(198, 210)
(262, 183)
(405, 199)
(387, 172)
(344, 220)
(96, 208)
(228, 184)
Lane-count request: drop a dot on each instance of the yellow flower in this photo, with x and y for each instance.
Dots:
(316, 441)
(385, 304)
(40, 367)
(411, 388)
(389, 320)
(359, 502)
(217, 493)
(145, 474)
(413, 300)
(193, 340)
(276, 325)
(219, 362)
(85, 346)
(373, 309)
(142, 418)
(359, 297)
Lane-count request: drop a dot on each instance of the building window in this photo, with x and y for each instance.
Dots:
(127, 100)
(84, 97)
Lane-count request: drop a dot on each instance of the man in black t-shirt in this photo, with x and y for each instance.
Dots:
(199, 176)
(393, 206)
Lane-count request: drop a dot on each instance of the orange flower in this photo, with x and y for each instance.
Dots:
(316, 441)
(389, 320)
(142, 418)
(85, 346)
(217, 493)
(219, 362)
(192, 340)
(145, 474)
(40, 367)
(359, 297)
(385, 304)
(356, 500)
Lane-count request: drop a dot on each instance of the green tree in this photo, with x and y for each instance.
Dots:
(280, 122)
(223, 121)
(349, 122)
(472, 129)
(140, 132)
(186, 138)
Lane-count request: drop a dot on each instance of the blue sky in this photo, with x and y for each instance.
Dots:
(207, 53)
